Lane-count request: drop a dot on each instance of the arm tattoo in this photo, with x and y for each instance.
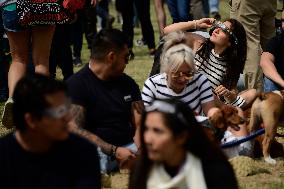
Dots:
(78, 113)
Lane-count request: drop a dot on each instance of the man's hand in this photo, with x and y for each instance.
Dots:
(124, 157)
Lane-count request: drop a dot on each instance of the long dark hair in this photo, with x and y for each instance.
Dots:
(235, 55)
(179, 121)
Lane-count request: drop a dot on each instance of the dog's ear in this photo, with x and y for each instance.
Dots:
(217, 119)
(262, 96)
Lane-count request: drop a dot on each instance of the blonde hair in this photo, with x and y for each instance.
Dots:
(175, 56)
(173, 38)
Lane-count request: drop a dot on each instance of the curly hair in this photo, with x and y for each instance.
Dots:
(235, 55)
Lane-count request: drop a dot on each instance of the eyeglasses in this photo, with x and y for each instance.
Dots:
(58, 112)
(224, 28)
(185, 75)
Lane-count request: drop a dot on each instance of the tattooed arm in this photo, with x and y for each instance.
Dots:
(76, 127)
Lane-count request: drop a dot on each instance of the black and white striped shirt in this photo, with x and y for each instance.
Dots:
(197, 92)
(214, 69)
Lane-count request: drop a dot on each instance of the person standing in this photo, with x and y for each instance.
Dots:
(257, 17)
(179, 10)
(143, 11)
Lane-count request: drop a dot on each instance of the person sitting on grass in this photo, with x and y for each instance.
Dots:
(41, 153)
(179, 80)
(175, 152)
(221, 57)
(106, 102)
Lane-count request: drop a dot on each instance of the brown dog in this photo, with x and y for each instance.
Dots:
(226, 116)
(267, 109)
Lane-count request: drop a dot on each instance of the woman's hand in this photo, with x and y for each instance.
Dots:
(222, 91)
(204, 23)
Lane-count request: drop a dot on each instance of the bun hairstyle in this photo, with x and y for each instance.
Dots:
(175, 56)
(172, 39)
(175, 52)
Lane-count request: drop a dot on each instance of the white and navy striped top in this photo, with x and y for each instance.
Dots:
(214, 69)
(196, 92)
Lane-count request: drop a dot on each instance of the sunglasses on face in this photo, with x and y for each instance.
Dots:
(185, 75)
(225, 29)
(58, 112)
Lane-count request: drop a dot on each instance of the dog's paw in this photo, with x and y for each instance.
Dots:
(270, 160)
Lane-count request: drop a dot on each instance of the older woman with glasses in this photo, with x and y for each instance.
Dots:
(179, 80)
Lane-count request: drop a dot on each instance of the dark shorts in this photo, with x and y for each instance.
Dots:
(11, 21)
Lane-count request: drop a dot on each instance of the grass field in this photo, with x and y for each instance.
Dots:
(262, 176)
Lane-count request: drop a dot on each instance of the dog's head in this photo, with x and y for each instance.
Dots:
(226, 116)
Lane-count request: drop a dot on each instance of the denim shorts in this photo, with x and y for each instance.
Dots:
(11, 21)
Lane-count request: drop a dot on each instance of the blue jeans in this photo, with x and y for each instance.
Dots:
(269, 85)
(11, 21)
(214, 6)
(107, 164)
(179, 10)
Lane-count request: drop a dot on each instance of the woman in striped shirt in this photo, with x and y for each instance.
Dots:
(179, 80)
(221, 57)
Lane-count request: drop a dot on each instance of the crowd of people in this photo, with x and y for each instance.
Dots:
(97, 121)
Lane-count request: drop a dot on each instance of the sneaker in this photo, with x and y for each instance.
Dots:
(140, 42)
(152, 53)
(7, 115)
(77, 61)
